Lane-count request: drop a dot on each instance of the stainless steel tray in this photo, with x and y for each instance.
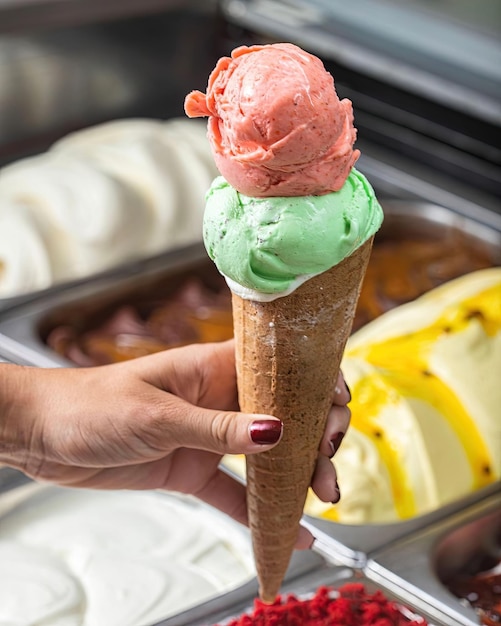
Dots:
(21, 325)
(354, 545)
(231, 606)
(416, 568)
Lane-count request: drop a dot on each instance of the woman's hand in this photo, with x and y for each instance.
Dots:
(159, 422)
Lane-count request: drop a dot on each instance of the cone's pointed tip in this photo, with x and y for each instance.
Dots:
(266, 597)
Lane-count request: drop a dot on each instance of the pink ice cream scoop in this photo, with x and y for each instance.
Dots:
(276, 124)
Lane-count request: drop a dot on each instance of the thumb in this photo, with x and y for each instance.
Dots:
(229, 432)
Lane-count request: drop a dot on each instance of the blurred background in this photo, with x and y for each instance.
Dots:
(424, 75)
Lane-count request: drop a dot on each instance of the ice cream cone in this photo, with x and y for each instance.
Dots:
(288, 354)
(289, 202)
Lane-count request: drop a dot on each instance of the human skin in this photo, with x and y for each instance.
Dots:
(162, 421)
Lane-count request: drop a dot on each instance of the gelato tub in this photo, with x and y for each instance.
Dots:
(425, 424)
(148, 179)
(77, 556)
(468, 563)
(434, 564)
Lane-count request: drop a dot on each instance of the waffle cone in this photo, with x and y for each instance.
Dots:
(288, 354)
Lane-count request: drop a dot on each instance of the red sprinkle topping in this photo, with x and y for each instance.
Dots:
(352, 606)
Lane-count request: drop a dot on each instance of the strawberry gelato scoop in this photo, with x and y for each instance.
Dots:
(276, 124)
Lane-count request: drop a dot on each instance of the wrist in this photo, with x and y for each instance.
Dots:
(16, 397)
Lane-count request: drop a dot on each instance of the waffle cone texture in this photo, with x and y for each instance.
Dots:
(288, 354)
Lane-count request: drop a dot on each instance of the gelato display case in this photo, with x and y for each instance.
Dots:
(429, 149)
(179, 297)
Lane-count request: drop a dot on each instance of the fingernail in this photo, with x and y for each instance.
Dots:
(348, 390)
(336, 500)
(335, 442)
(265, 432)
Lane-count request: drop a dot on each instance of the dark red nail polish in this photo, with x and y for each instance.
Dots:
(265, 432)
(338, 495)
(348, 390)
(335, 442)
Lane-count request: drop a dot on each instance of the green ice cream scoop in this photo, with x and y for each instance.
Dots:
(271, 245)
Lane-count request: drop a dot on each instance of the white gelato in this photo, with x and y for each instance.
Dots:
(90, 558)
(101, 196)
(19, 232)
